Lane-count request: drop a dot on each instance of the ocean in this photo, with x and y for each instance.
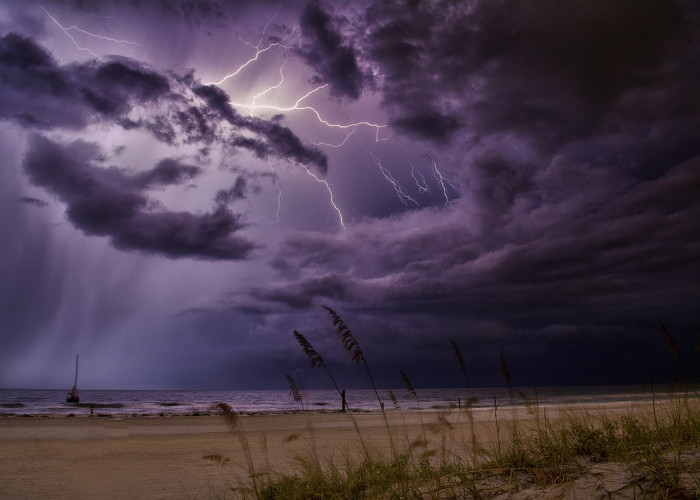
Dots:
(50, 402)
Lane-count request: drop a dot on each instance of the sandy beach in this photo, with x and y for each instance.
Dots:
(158, 457)
(164, 457)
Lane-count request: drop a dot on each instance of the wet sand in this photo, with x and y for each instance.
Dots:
(164, 457)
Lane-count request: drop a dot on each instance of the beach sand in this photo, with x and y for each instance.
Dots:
(164, 457)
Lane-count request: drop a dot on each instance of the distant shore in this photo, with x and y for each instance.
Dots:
(156, 457)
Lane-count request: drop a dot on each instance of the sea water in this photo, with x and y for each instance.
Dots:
(48, 402)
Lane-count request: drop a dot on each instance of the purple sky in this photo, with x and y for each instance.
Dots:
(183, 184)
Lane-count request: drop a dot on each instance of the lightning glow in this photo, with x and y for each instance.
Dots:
(398, 189)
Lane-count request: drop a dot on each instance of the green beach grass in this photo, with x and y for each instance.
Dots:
(528, 451)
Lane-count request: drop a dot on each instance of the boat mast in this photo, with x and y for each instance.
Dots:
(75, 383)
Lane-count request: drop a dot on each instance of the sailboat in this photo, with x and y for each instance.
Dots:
(73, 394)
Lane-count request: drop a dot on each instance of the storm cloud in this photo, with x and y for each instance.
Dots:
(547, 72)
(36, 92)
(515, 175)
(39, 93)
(324, 51)
(104, 202)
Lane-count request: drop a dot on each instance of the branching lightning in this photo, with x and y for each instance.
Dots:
(325, 183)
(253, 106)
(269, 89)
(262, 33)
(341, 144)
(77, 45)
(258, 53)
(443, 181)
(300, 104)
(421, 184)
(297, 106)
(400, 193)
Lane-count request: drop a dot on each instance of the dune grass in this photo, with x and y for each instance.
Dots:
(656, 447)
(660, 458)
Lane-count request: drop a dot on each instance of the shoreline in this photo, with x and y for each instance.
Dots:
(84, 411)
(20, 402)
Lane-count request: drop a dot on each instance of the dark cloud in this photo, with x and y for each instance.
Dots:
(569, 135)
(38, 93)
(302, 295)
(603, 255)
(548, 73)
(427, 123)
(111, 88)
(100, 202)
(33, 89)
(167, 171)
(33, 201)
(235, 192)
(278, 139)
(286, 144)
(324, 51)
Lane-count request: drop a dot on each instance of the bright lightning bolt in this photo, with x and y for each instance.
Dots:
(262, 33)
(400, 193)
(65, 30)
(279, 191)
(298, 107)
(258, 53)
(269, 89)
(422, 185)
(325, 183)
(115, 40)
(77, 45)
(442, 180)
(253, 107)
(341, 144)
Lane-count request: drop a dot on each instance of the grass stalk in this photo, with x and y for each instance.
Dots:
(351, 345)
(316, 361)
(470, 401)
